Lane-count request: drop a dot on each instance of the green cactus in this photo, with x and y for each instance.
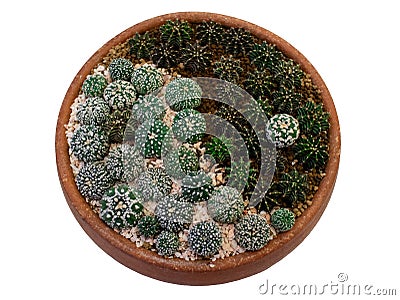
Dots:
(176, 33)
(183, 93)
(117, 125)
(147, 79)
(238, 41)
(195, 57)
(141, 45)
(94, 85)
(259, 84)
(228, 69)
(311, 152)
(153, 138)
(120, 207)
(180, 162)
(286, 100)
(196, 188)
(265, 56)
(293, 187)
(167, 243)
(283, 129)
(89, 143)
(225, 205)
(120, 95)
(205, 238)
(125, 163)
(172, 214)
(93, 180)
(165, 56)
(287, 73)
(252, 232)
(148, 107)
(209, 33)
(189, 126)
(94, 111)
(219, 148)
(148, 226)
(312, 118)
(282, 219)
(121, 69)
(154, 184)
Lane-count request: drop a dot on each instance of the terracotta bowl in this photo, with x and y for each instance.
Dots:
(176, 270)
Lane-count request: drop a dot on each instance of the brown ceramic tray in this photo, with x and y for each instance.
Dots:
(177, 270)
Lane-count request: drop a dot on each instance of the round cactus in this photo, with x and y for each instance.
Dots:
(286, 100)
(125, 163)
(148, 107)
(312, 118)
(120, 94)
(117, 125)
(93, 180)
(120, 207)
(181, 162)
(147, 79)
(265, 56)
(209, 33)
(189, 126)
(283, 129)
(141, 45)
(225, 205)
(293, 187)
(167, 243)
(228, 69)
(94, 111)
(196, 188)
(153, 138)
(205, 238)
(165, 56)
(121, 69)
(259, 84)
(282, 219)
(94, 85)
(252, 232)
(238, 41)
(176, 33)
(172, 214)
(311, 152)
(154, 184)
(148, 226)
(183, 93)
(195, 57)
(89, 143)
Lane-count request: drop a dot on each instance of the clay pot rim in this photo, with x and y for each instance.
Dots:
(177, 270)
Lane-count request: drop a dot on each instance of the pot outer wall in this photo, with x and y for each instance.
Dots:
(176, 270)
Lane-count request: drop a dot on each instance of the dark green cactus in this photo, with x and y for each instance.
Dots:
(238, 41)
(205, 238)
(167, 243)
(287, 73)
(228, 69)
(286, 100)
(195, 57)
(293, 187)
(265, 56)
(165, 56)
(259, 84)
(209, 33)
(121, 69)
(176, 33)
(252, 232)
(311, 152)
(312, 118)
(141, 45)
(148, 226)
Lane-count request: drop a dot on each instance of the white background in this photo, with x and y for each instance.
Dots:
(46, 255)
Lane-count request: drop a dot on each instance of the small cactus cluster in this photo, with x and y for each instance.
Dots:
(141, 45)
(172, 214)
(94, 111)
(180, 162)
(89, 143)
(121, 69)
(154, 184)
(93, 180)
(189, 126)
(120, 95)
(195, 57)
(148, 226)
(153, 138)
(147, 79)
(283, 129)
(183, 93)
(209, 33)
(282, 219)
(120, 207)
(225, 205)
(197, 188)
(125, 163)
(228, 69)
(205, 238)
(252, 232)
(94, 85)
